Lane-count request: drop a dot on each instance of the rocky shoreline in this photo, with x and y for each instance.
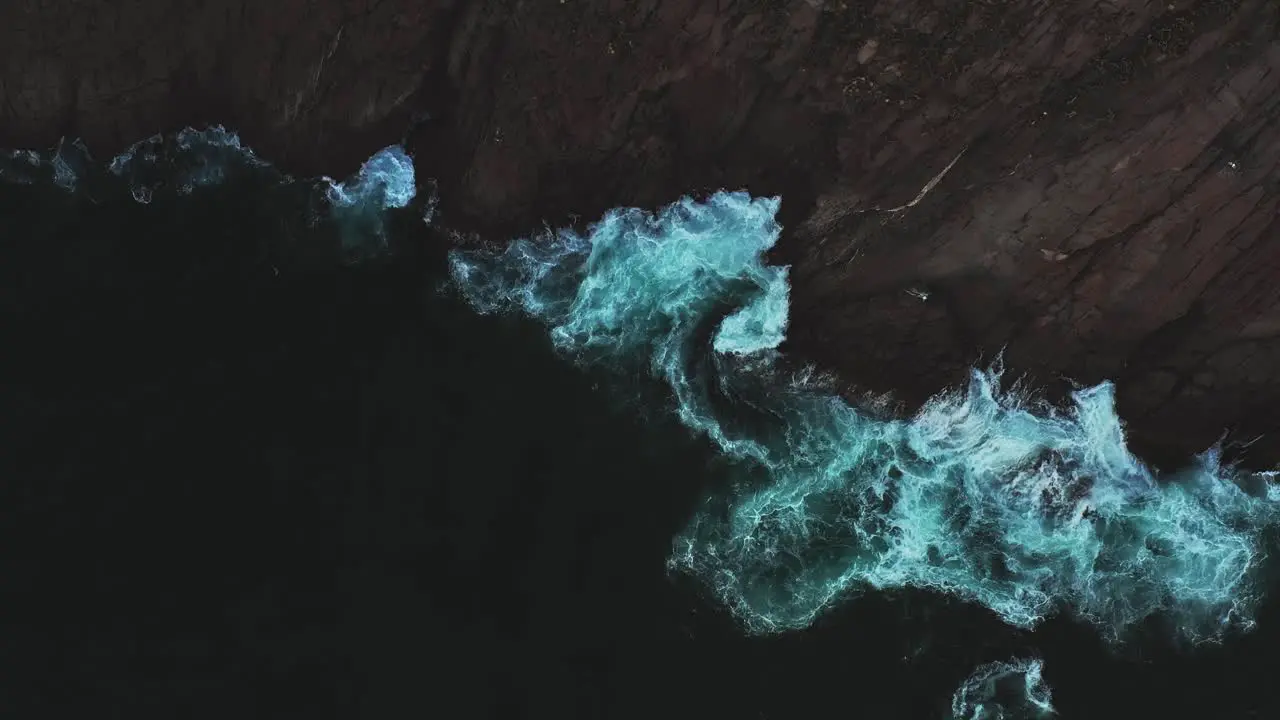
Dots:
(1093, 186)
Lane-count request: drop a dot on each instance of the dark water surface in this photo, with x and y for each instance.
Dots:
(240, 477)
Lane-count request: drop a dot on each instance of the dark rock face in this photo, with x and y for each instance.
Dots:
(1092, 184)
(315, 86)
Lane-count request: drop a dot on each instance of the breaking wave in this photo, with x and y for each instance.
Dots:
(986, 494)
(189, 160)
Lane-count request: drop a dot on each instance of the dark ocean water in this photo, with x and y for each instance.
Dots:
(248, 469)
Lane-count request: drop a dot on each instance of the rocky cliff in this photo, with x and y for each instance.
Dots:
(1092, 184)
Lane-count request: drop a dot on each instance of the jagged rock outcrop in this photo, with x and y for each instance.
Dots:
(1091, 183)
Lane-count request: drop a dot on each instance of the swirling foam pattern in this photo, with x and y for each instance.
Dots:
(984, 494)
(1003, 691)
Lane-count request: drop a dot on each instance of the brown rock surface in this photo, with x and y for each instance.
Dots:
(1091, 183)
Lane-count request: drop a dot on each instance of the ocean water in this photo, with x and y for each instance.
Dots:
(278, 447)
